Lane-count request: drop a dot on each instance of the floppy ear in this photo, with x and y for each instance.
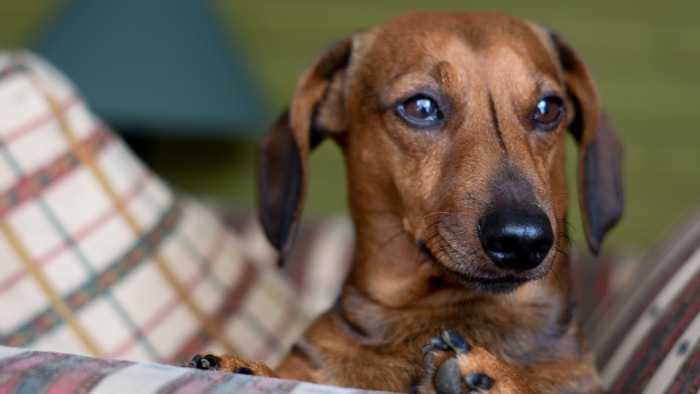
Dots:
(600, 149)
(316, 110)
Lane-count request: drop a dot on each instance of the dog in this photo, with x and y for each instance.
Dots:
(453, 129)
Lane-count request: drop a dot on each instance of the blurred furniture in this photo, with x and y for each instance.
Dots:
(157, 66)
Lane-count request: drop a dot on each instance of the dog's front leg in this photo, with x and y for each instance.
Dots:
(452, 365)
(230, 363)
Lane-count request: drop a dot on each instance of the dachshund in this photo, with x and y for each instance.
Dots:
(453, 130)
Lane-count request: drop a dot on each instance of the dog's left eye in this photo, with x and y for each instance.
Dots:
(420, 111)
(548, 112)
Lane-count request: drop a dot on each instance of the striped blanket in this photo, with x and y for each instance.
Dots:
(24, 371)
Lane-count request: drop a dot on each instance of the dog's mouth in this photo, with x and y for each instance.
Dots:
(486, 282)
(483, 284)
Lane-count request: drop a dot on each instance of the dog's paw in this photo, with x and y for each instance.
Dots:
(442, 372)
(229, 363)
(452, 365)
(206, 362)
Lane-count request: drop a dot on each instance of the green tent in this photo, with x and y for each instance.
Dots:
(156, 66)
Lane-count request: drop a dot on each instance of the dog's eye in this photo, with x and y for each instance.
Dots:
(421, 108)
(548, 112)
(420, 111)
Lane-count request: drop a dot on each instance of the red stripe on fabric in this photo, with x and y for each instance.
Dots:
(50, 256)
(85, 377)
(695, 384)
(234, 299)
(14, 370)
(215, 250)
(197, 382)
(32, 185)
(298, 267)
(133, 340)
(271, 341)
(605, 355)
(103, 218)
(687, 375)
(685, 257)
(191, 386)
(271, 386)
(12, 280)
(145, 246)
(649, 358)
(42, 120)
(239, 291)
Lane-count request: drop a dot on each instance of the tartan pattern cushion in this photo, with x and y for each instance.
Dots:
(24, 371)
(647, 338)
(320, 261)
(99, 256)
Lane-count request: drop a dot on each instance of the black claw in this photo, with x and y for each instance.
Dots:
(425, 349)
(438, 343)
(455, 341)
(428, 357)
(213, 361)
(447, 378)
(207, 362)
(243, 371)
(195, 361)
(479, 380)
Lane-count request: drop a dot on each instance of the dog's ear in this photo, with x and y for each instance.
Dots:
(316, 110)
(600, 149)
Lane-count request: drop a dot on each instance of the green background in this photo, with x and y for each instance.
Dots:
(645, 56)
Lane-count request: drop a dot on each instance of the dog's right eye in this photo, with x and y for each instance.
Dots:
(420, 112)
(548, 112)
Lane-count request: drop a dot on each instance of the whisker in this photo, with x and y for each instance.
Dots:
(436, 213)
(385, 243)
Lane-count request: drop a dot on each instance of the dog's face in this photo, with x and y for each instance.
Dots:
(466, 128)
(455, 125)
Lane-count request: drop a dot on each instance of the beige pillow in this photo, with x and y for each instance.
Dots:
(99, 256)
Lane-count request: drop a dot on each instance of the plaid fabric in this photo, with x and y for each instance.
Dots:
(99, 256)
(31, 372)
(320, 261)
(647, 338)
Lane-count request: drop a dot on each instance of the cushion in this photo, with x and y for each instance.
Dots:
(647, 337)
(102, 257)
(24, 371)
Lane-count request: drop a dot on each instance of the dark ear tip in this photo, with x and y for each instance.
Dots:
(595, 236)
(280, 184)
(602, 184)
(281, 259)
(276, 240)
(594, 246)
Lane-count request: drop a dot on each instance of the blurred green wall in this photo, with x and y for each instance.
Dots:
(644, 54)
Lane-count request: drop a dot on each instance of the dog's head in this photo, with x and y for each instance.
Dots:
(454, 125)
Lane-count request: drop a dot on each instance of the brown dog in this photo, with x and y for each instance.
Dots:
(453, 128)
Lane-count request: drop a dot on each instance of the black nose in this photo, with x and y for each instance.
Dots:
(516, 239)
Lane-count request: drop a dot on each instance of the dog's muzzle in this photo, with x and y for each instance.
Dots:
(516, 239)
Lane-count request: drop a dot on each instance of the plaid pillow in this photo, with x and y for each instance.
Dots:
(647, 339)
(25, 371)
(99, 256)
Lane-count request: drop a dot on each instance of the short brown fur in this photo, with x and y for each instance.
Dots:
(417, 197)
